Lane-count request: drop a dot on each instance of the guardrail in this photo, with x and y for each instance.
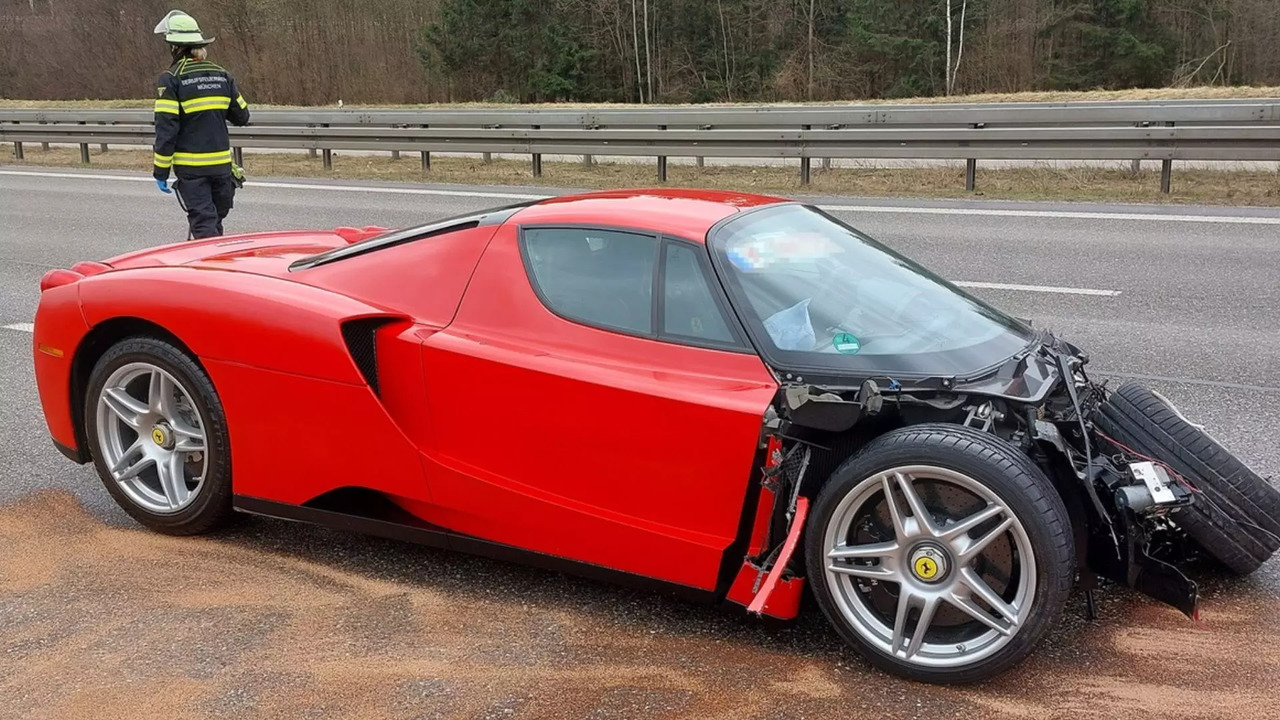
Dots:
(1225, 130)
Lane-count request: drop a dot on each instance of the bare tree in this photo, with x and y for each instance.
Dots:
(728, 57)
(808, 94)
(648, 58)
(635, 39)
(954, 68)
(947, 84)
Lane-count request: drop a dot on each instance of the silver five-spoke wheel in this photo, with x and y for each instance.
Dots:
(941, 584)
(151, 437)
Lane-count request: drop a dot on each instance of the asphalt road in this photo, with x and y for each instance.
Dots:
(274, 619)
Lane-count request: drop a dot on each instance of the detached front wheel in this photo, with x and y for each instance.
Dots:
(1235, 516)
(941, 553)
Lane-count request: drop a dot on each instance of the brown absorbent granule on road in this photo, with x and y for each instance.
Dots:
(105, 622)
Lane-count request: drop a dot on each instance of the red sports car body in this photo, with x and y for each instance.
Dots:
(429, 373)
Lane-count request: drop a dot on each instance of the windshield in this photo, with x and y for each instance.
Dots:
(818, 295)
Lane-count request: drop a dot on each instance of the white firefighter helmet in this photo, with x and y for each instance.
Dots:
(180, 28)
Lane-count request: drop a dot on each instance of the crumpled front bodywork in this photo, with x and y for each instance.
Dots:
(1040, 400)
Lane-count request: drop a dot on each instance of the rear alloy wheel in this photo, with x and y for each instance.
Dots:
(941, 553)
(158, 437)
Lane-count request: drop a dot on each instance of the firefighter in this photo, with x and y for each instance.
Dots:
(194, 101)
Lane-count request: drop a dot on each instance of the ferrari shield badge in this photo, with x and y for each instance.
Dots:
(846, 344)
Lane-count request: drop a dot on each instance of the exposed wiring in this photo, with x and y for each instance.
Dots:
(1255, 526)
(1188, 485)
(1181, 480)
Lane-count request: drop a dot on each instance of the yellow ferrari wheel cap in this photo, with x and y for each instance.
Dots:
(157, 434)
(929, 563)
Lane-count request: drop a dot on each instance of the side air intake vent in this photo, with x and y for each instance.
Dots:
(361, 339)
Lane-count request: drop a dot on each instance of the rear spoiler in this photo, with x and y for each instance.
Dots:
(78, 272)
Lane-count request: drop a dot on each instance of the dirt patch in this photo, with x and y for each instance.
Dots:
(280, 620)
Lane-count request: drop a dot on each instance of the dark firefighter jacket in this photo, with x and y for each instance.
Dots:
(195, 100)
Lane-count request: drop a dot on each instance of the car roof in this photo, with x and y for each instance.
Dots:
(688, 214)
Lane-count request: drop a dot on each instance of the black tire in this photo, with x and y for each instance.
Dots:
(211, 508)
(1236, 518)
(1004, 470)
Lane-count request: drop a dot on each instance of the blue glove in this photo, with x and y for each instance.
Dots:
(163, 185)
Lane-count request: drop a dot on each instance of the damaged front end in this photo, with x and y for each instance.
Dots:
(1122, 506)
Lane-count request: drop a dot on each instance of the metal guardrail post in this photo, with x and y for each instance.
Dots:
(588, 160)
(311, 152)
(971, 167)
(44, 146)
(84, 152)
(486, 158)
(662, 162)
(326, 155)
(395, 154)
(237, 154)
(537, 159)
(17, 149)
(1166, 172)
(804, 162)
(426, 159)
(1135, 166)
(700, 160)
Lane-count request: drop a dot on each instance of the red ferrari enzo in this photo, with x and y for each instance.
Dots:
(730, 396)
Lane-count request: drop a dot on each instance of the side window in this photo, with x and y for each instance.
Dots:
(597, 277)
(689, 309)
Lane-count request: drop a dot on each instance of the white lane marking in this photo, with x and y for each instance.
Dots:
(1066, 214)
(1189, 381)
(20, 327)
(1036, 288)
(892, 210)
(402, 191)
(306, 186)
(75, 176)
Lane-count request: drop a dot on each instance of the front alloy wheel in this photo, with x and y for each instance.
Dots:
(940, 552)
(938, 564)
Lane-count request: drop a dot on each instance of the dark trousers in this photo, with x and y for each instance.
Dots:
(207, 201)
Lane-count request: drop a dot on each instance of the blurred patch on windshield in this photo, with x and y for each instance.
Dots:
(759, 252)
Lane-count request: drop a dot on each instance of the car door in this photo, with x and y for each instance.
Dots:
(594, 400)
